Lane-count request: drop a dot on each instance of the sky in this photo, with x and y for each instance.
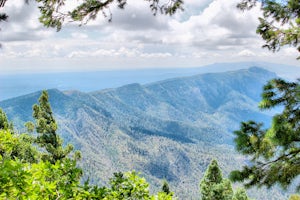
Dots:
(207, 31)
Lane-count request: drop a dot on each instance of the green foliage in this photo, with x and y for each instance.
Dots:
(128, 186)
(41, 180)
(52, 14)
(23, 177)
(29, 126)
(4, 123)
(7, 142)
(45, 122)
(279, 25)
(13, 179)
(17, 147)
(163, 196)
(274, 152)
(294, 197)
(213, 186)
(3, 120)
(240, 194)
(24, 150)
(46, 128)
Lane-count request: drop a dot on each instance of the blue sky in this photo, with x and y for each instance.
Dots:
(208, 31)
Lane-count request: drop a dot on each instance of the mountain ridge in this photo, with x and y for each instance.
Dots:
(169, 129)
(88, 81)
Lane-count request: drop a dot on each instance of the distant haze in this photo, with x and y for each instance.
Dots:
(13, 85)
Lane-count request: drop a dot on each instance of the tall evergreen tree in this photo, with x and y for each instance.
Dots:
(165, 187)
(275, 152)
(46, 128)
(3, 120)
(4, 123)
(213, 186)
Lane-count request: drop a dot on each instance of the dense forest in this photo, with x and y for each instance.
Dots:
(36, 165)
(170, 129)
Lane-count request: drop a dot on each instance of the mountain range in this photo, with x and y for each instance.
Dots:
(169, 129)
(17, 84)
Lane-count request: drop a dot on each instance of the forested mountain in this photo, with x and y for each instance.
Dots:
(166, 130)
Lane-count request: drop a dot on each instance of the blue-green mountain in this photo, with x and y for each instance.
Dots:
(17, 84)
(169, 129)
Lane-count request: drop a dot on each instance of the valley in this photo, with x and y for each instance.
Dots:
(170, 129)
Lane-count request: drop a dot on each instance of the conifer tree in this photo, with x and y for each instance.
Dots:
(165, 187)
(213, 186)
(4, 123)
(279, 25)
(46, 128)
(275, 152)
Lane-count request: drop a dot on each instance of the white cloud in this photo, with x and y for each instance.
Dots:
(77, 35)
(289, 51)
(207, 31)
(118, 53)
(22, 23)
(246, 53)
(156, 55)
(219, 25)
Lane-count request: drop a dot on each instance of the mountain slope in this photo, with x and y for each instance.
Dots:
(169, 129)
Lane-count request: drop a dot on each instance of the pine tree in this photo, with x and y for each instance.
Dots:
(213, 186)
(275, 152)
(46, 128)
(4, 123)
(165, 187)
(279, 25)
(3, 120)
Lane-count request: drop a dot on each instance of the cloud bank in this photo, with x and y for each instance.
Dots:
(207, 31)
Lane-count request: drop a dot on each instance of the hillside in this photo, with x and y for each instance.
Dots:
(167, 130)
